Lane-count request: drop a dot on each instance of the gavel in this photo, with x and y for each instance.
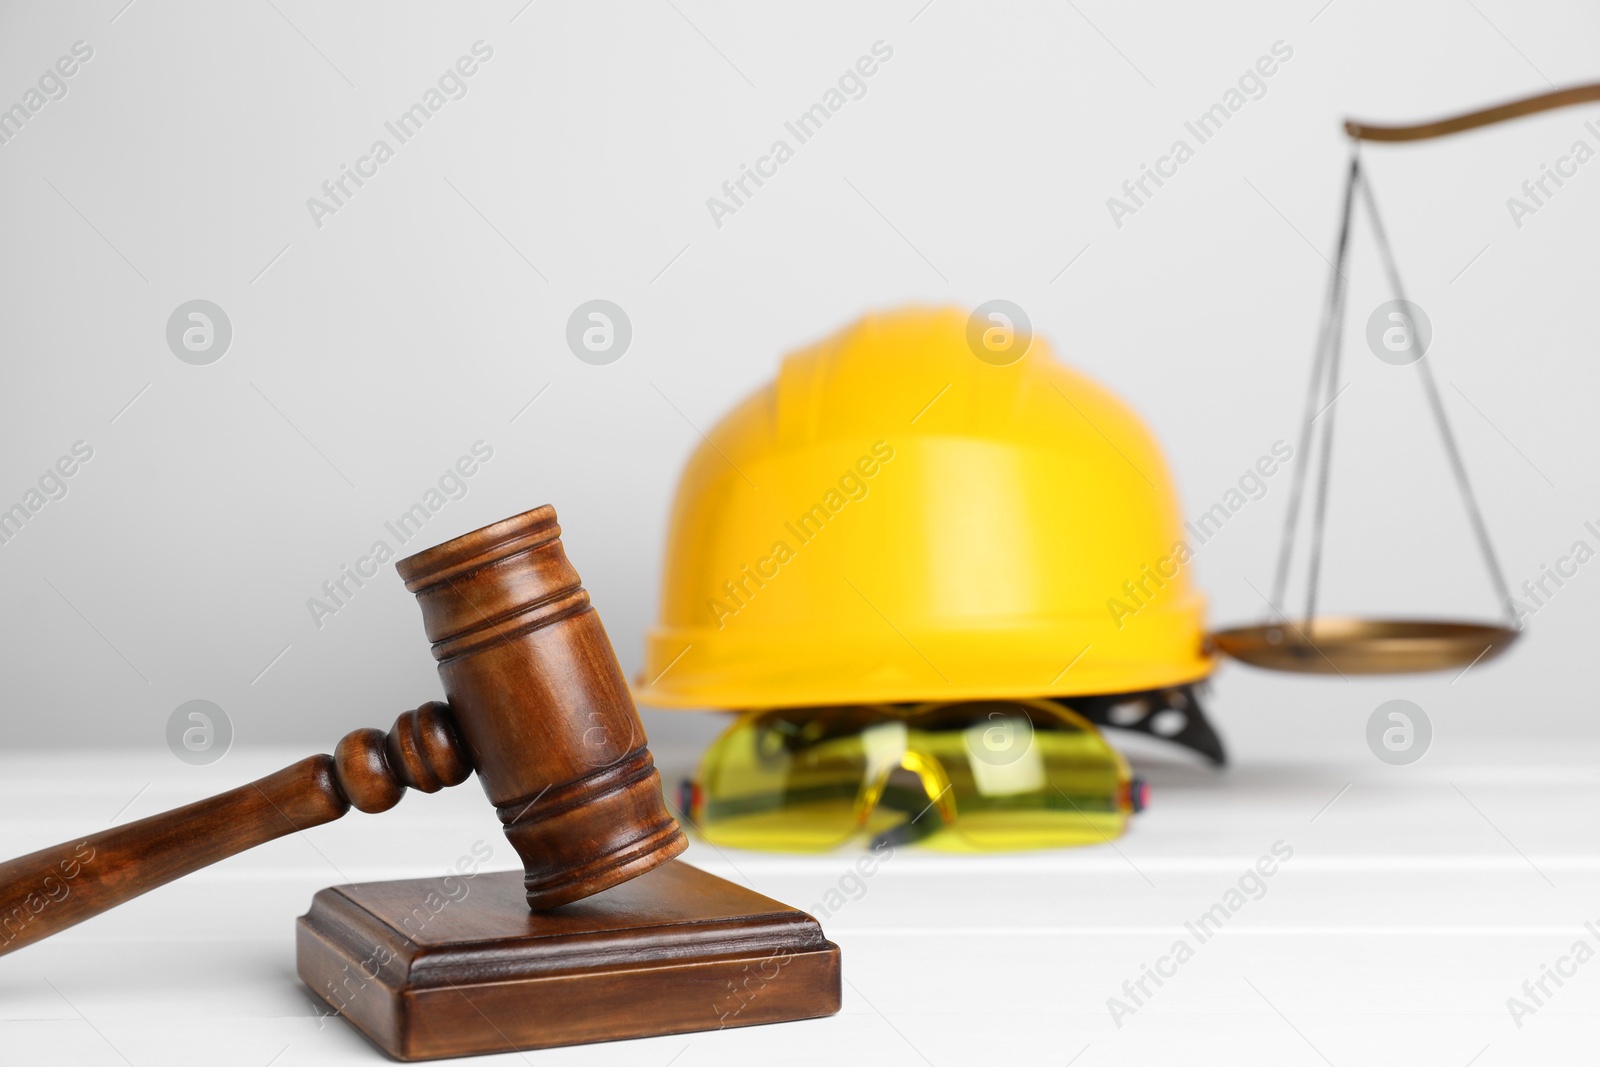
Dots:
(536, 705)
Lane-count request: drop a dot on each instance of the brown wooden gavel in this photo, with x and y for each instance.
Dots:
(537, 706)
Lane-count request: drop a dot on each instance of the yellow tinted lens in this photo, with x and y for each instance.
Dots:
(786, 781)
(1024, 777)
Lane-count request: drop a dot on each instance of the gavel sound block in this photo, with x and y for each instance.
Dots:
(602, 935)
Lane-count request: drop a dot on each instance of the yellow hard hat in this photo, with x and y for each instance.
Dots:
(894, 519)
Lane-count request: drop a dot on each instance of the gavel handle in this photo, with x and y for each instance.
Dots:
(47, 891)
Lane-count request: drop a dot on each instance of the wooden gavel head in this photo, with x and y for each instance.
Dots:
(541, 708)
(537, 707)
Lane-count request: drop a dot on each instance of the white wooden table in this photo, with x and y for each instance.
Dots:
(1417, 900)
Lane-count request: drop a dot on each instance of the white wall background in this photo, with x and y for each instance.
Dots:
(370, 352)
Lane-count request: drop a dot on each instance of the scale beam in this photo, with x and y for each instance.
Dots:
(1580, 94)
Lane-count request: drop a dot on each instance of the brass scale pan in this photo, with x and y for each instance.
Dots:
(1335, 645)
(1340, 645)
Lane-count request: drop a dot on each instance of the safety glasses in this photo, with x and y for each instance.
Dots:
(970, 776)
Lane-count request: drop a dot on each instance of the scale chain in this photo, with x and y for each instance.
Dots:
(1324, 387)
(1436, 404)
(1332, 309)
(1331, 391)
